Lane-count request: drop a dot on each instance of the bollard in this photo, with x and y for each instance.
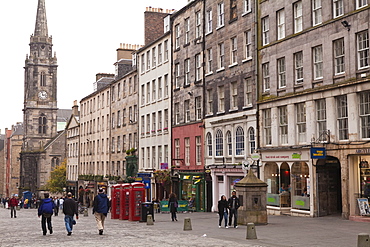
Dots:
(187, 224)
(86, 212)
(363, 240)
(251, 231)
(149, 219)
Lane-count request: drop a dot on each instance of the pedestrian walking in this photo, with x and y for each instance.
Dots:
(4, 201)
(223, 211)
(13, 203)
(57, 204)
(173, 205)
(234, 204)
(101, 208)
(61, 201)
(25, 203)
(46, 211)
(70, 209)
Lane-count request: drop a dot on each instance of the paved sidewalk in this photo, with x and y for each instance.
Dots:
(330, 231)
(281, 231)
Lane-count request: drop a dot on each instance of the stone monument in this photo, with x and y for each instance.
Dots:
(252, 195)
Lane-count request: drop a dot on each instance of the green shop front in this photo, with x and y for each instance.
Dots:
(192, 189)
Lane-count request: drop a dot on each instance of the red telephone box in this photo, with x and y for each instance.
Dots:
(137, 196)
(125, 202)
(116, 201)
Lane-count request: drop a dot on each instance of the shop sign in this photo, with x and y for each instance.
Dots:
(300, 155)
(301, 202)
(296, 156)
(164, 166)
(363, 151)
(318, 153)
(255, 156)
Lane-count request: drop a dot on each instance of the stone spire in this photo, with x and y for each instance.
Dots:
(41, 27)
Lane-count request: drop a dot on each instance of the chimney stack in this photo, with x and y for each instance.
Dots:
(153, 23)
(75, 108)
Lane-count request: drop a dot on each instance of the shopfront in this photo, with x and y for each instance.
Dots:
(359, 173)
(288, 177)
(223, 182)
(192, 189)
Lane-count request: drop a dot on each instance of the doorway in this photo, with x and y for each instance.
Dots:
(329, 189)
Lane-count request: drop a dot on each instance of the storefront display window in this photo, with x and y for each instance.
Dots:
(272, 178)
(301, 186)
(192, 189)
(285, 186)
(233, 181)
(278, 184)
(364, 177)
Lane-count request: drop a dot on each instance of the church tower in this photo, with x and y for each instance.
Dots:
(40, 87)
(40, 106)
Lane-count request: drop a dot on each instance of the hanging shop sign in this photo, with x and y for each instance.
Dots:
(318, 153)
(164, 166)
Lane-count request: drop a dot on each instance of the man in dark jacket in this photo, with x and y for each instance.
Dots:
(101, 208)
(234, 204)
(46, 211)
(70, 208)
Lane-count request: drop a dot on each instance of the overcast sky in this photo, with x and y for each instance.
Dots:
(86, 34)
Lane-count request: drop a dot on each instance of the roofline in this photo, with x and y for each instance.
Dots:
(155, 41)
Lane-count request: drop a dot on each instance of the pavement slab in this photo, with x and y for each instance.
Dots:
(281, 231)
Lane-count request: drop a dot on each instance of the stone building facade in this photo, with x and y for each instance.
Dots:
(13, 145)
(124, 120)
(313, 92)
(2, 164)
(40, 105)
(108, 124)
(230, 92)
(187, 39)
(73, 148)
(154, 61)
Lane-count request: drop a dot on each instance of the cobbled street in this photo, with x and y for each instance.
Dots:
(25, 230)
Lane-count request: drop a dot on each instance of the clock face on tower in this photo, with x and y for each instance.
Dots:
(43, 95)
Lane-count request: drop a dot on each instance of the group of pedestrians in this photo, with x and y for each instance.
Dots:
(228, 209)
(49, 207)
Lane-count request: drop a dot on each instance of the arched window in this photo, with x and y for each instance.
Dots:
(209, 144)
(42, 124)
(219, 143)
(229, 141)
(239, 141)
(252, 140)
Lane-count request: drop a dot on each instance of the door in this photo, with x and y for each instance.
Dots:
(329, 186)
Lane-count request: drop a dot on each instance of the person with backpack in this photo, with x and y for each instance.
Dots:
(46, 210)
(101, 209)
